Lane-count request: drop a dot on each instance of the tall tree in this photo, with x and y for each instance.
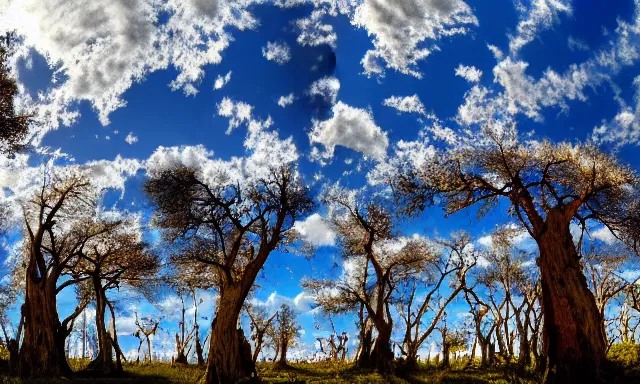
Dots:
(287, 330)
(116, 256)
(448, 264)
(548, 186)
(233, 226)
(54, 240)
(376, 262)
(261, 325)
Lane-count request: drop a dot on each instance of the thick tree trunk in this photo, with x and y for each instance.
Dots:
(226, 364)
(104, 360)
(524, 357)
(283, 355)
(40, 355)
(411, 363)
(382, 355)
(366, 342)
(573, 339)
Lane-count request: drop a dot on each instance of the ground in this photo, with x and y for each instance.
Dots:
(300, 373)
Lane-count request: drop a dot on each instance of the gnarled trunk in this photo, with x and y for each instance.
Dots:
(382, 355)
(366, 342)
(226, 364)
(573, 339)
(40, 355)
(104, 360)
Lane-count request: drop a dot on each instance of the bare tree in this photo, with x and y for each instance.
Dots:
(287, 331)
(54, 241)
(147, 327)
(115, 256)
(368, 244)
(233, 228)
(451, 263)
(603, 267)
(548, 186)
(261, 325)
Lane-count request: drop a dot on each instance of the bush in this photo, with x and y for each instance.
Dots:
(4, 353)
(625, 355)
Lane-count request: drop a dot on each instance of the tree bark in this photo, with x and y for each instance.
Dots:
(104, 360)
(572, 332)
(40, 354)
(366, 342)
(199, 348)
(226, 364)
(382, 355)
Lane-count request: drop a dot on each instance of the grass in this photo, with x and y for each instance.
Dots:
(298, 373)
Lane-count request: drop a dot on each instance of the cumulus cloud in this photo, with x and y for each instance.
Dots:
(349, 127)
(408, 104)
(237, 112)
(99, 49)
(316, 230)
(400, 28)
(287, 100)
(279, 53)
(326, 88)
(536, 16)
(131, 138)
(524, 94)
(314, 32)
(222, 81)
(469, 73)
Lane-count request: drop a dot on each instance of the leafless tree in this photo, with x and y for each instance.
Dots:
(548, 186)
(233, 228)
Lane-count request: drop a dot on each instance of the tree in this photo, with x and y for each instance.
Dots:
(233, 226)
(506, 274)
(337, 343)
(13, 127)
(377, 262)
(53, 244)
(116, 256)
(453, 260)
(548, 186)
(261, 325)
(287, 331)
(603, 267)
(147, 326)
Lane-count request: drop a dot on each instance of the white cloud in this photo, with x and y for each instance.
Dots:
(131, 138)
(409, 104)
(316, 231)
(287, 100)
(99, 49)
(577, 44)
(279, 53)
(497, 53)
(604, 234)
(237, 112)
(350, 127)
(313, 32)
(400, 28)
(469, 73)
(326, 88)
(222, 81)
(526, 95)
(536, 16)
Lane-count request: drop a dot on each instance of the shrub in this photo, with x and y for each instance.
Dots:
(4, 353)
(625, 355)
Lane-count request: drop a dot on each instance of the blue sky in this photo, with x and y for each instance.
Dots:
(564, 68)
